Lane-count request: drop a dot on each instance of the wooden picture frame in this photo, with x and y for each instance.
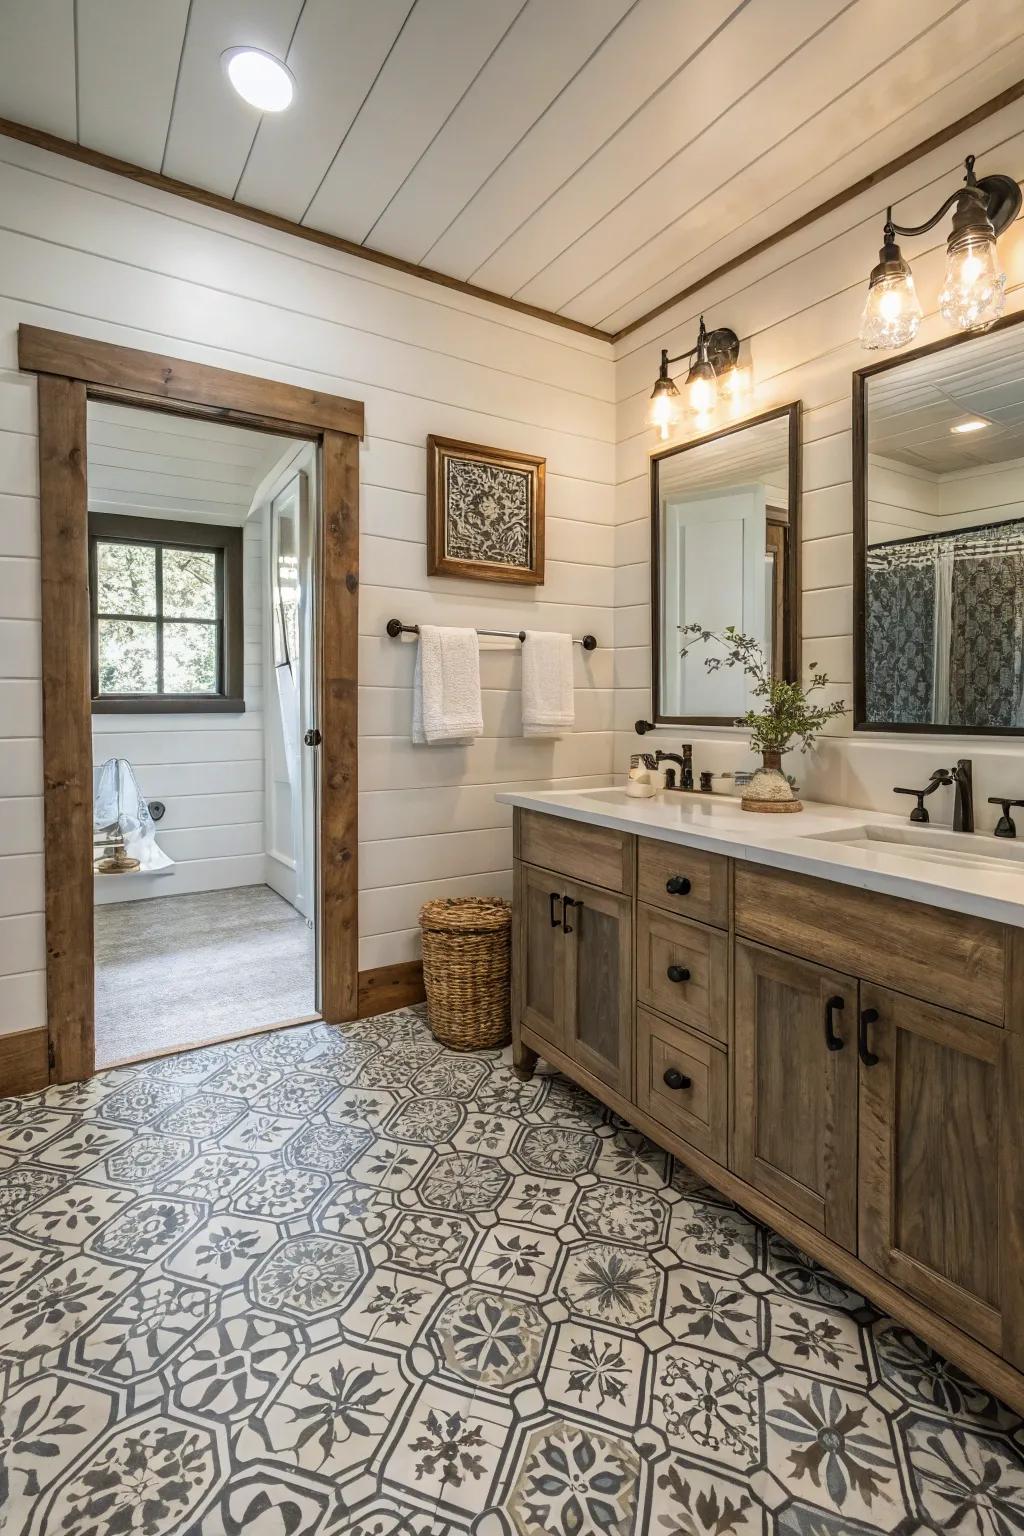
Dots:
(459, 477)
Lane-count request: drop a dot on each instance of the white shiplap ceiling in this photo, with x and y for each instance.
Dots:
(154, 464)
(590, 157)
(913, 409)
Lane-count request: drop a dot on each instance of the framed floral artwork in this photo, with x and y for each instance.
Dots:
(485, 512)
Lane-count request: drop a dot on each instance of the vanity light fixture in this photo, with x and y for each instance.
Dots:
(973, 292)
(714, 373)
(259, 78)
(975, 424)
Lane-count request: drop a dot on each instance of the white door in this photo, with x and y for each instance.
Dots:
(713, 574)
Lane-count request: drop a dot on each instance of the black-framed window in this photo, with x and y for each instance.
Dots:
(167, 620)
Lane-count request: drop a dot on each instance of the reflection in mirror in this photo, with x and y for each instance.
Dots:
(942, 576)
(724, 539)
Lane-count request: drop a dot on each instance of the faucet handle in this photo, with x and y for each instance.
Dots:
(920, 811)
(1005, 826)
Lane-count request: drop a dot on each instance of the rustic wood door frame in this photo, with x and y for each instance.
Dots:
(71, 370)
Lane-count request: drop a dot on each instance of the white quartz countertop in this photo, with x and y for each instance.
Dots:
(961, 872)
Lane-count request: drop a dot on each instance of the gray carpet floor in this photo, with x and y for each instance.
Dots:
(177, 970)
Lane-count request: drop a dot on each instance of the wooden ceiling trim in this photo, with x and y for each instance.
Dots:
(284, 226)
(934, 141)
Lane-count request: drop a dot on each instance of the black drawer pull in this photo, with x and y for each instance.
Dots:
(675, 1079)
(678, 973)
(556, 920)
(867, 1056)
(833, 1006)
(568, 902)
(677, 885)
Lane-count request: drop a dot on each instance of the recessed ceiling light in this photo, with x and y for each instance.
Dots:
(975, 424)
(259, 78)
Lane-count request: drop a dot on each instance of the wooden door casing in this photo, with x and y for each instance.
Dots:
(932, 1194)
(795, 1100)
(599, 983)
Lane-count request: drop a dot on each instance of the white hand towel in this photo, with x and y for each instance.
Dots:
(549, 706)
(446, 704)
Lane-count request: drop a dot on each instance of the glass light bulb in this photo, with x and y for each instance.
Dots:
(700, 396)
(663, 412)
(892, 313)
(735, 386)
(974, 292)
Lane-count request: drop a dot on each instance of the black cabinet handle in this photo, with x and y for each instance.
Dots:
(868, 1016)
(675, 1079)
(568, 902)
(833, 1006)
(677, 885)
(556, 919)
(678, 973)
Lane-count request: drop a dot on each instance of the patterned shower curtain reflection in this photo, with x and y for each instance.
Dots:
(944, 630)
(899, 633)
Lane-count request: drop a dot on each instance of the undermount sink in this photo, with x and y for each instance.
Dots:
(932, 845)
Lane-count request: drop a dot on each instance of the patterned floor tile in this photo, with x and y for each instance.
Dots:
(347, 1283)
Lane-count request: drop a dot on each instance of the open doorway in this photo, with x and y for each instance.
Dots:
(201, 552)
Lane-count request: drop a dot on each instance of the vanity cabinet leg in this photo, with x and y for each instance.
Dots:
(524, 1060)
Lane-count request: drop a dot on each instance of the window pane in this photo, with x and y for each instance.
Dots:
(127, 656)
(126, 578)
(190, 658)
(190, 584)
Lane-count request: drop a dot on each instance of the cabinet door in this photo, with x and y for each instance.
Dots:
(540, 953)
(933, 1198)
(599, 983)
(795, 1090)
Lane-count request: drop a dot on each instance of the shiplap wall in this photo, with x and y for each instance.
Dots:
(799, 304)
(207, 769)
(87, 252)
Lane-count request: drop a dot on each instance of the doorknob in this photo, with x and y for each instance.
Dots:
(312, 738)
(678, 973)
(868, 1057)
(675, 1079)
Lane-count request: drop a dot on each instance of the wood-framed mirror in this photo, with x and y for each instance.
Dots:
(725, 549)
(938, 537)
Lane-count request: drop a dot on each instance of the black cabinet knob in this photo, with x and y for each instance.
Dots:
(675, 1079)
(678, 973)
(677, 885)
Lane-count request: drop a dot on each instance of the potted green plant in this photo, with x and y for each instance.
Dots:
(788, 715)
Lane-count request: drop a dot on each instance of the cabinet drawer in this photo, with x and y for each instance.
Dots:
(682, 969)
(696, 1110)
(949, 958)
(699, 881)
(599, 855)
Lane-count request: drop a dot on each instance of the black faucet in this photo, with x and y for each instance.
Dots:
(961, 777)
(670, 775)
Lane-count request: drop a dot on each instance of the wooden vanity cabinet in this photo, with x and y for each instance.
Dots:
(795, 1087)
(934, 1190)
(573, 950)
(846, 1065)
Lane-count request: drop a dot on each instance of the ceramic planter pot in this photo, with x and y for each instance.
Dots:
(769, 790)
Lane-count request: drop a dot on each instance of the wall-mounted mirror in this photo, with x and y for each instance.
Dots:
(725, 549)
(939, 537)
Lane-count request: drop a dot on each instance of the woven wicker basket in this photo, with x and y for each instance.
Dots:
(466, 967)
